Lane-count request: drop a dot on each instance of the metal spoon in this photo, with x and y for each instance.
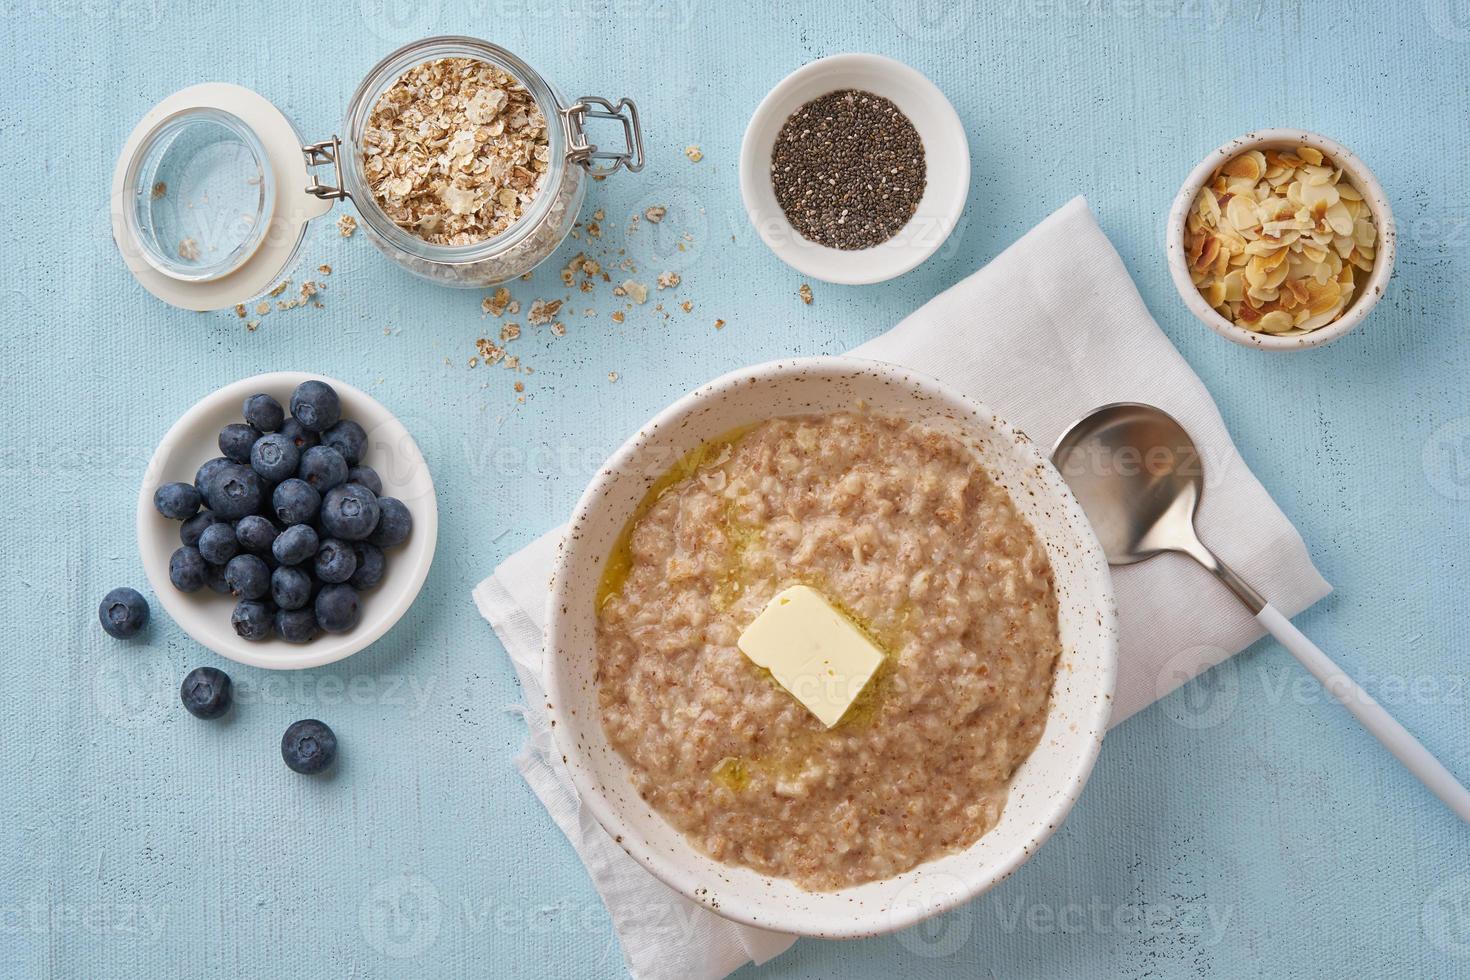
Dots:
(1139, 479)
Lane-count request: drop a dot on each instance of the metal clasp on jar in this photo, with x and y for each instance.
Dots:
(596, 161)
(318, 154)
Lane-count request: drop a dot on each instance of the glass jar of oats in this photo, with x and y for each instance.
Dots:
(465, 166)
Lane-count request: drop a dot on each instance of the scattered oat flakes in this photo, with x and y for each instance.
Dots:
(489, 350)
(668, 280)
(159, 190)
(719, 324)
(612, 376)
(687, 306)
(509, 332)
(346, 225)
(240, 311)
(279, 287)
(655, 214)
(598, 215)
(520, 386)
(263, 307)
(694, 153)
(514, 307)
(188, 250)
(252, 325)
(324, 269)
(805, 292)
(474, 361)
(617, 316)
(559, 329)
(497, 302)
(543, 311)
(455, 150)
(594, 230)
(634, 290)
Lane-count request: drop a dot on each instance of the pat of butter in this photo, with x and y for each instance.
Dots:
(813, 651)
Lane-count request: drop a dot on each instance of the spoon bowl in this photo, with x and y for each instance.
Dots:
(1137, 475)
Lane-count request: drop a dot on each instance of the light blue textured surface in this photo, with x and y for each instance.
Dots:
(1242, 826)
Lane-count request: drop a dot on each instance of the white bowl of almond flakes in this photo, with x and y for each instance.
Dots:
(1281, 239)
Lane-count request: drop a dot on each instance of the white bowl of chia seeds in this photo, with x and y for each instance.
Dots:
(854, 169)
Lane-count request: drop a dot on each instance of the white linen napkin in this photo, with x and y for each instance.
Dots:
(1042, 342)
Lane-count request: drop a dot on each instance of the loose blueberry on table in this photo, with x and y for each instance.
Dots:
(123, 612)
(308, 746)
(206, 692)
(294, 526)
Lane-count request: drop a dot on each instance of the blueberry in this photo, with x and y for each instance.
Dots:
(201, 477)
(335, 561)
(252, 620)
(236, 439)
(218, 544)
(232, 491)
(308, 746)
(395, 523)
(315, 405)
(368, 477)
(296, 502)
(206, 692)
(295, 545)
(275, 457)
(370, 566)
(214, 577)
(186, 569)
(337, 608)
(350, 512)
(248, 576)
(296, 625)
(301, 437)
(290, 588)
(349, 439)
(323, 467)
(264, 412)
(176, 501)
(123, 612)
(255, 533)
(192, 529)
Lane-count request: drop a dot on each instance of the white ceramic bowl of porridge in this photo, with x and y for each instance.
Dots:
(1071, 724)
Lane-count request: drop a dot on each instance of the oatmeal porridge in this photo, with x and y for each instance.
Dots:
(899, 525)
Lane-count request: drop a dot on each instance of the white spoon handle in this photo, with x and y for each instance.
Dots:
(1431, 771)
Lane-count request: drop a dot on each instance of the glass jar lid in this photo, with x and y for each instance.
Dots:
(210, 197)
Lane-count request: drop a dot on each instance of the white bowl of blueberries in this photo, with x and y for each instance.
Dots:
(286, 521)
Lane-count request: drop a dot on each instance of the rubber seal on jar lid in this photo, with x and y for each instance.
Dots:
(209, 199)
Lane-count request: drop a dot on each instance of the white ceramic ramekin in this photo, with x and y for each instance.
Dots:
(1369, 293)
(946, 164)
(1045, 786)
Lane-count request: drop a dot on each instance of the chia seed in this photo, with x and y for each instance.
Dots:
(848, 169)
